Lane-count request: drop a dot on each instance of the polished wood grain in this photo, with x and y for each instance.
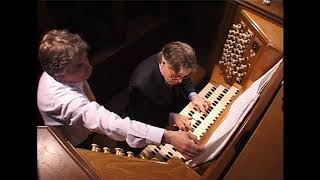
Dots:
(270, 36)
(110, 166)
(57, 159)
(273, 11)
(262, 157)
(88, 92)
(218, 166)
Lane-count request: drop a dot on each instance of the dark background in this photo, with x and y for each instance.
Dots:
(122, 34)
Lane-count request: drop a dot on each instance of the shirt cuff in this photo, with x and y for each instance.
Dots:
(192, 94)
(154, 135)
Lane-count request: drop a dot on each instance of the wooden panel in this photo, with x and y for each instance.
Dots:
(252, 47)
(57, 159)
(110, 166)
(262, 157)
(274, 11)
(215, 169)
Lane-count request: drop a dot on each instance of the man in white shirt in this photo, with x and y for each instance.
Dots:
(63, 102)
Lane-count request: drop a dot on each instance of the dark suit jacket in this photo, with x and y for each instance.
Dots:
(151, 100)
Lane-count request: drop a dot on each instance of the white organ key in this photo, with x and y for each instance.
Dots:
(149, 151)
(205, 122)
(211, 117)
(175, 152)
(201, 122)
(164, 152)
(219, 97)
(168, 151)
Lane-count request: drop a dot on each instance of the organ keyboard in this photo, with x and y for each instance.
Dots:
(219, 97)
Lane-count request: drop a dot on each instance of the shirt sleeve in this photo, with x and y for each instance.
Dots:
(192, 94)
(95, 117)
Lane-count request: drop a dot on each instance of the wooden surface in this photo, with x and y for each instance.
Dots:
(271, 32)
(274, 11)
(87, 90)
(110, 166)
(262, 157)
(57, 159)
(271, 37)
(216, 168)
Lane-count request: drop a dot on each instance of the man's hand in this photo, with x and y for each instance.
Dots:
(181, 121)
(185, 142)
(199, 103)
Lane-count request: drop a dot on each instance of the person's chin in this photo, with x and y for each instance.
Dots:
(172, 83)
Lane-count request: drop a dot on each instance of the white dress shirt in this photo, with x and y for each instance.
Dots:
(65, 105)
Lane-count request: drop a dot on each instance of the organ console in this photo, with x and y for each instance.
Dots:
(252, 46)
(243, 60)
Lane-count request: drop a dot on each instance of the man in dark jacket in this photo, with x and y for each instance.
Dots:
(161, 86)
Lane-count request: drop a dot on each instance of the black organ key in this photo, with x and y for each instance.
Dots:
(219, 98)
(215, 101)
(206, 96)
(170, 153)
(210, 92)
(202, 117)
(174, 149)
(192, 112)
(189, 114)
(225, 91)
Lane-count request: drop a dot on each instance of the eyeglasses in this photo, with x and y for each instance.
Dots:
(173, 75)
(176, 77)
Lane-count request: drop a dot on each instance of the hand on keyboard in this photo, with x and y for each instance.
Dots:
(199, 103)
(185, 142)
(181, 121)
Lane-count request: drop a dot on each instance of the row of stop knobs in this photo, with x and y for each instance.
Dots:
(106, 150)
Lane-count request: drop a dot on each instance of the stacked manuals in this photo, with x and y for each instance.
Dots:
(238, 110)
